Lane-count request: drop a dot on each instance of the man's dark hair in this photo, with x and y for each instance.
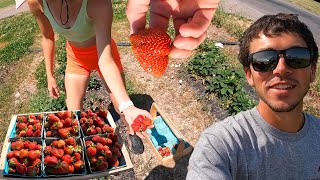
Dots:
(273, 25)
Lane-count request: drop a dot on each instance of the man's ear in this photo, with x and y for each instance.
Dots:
(248, 74)
(313, 73)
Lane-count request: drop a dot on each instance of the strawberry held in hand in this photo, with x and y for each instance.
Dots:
(141, 123)
(151, 47)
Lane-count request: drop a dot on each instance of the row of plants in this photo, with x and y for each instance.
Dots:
(220, 79)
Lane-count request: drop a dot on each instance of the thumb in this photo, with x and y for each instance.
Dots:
(136, 13)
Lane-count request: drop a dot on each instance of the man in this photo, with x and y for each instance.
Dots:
(275, 139)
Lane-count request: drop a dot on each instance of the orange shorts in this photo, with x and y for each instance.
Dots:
(84, 60)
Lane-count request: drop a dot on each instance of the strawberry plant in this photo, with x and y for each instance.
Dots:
(220, 79)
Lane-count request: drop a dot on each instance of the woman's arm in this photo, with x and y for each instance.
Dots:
(48, 44)
(101, 12)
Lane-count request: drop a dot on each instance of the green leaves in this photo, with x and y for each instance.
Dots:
(220, 79)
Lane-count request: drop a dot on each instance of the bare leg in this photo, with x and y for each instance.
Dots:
(76, 86)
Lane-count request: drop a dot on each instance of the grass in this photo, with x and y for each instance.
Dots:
(17, 33)
(6, 3)
(310, 5)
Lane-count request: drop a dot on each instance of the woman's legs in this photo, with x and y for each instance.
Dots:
(76, 86)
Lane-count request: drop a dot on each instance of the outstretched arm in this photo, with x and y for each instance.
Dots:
(101, 12)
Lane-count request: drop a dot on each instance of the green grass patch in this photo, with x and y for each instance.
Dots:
(17, 33)
(210, 66)
(6, 3)
(310, 5)
(234, 24)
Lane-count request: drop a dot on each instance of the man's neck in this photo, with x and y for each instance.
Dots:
(290, 122)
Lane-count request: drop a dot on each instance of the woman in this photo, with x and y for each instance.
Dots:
(87, 27)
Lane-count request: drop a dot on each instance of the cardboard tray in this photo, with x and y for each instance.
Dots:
(166, 134)
(6, 144)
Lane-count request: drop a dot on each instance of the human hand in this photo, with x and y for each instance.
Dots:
(191, 20)
(130, 114)
(53, 88)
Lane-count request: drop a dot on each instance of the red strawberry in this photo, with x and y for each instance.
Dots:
(13, 162)
(151, 47)
(21, 126)
(10, 154)
(53, 118)
(36, 162)
(22, 133)
(77, 156)
(57, 153)
(64, 132)
(32, 116)
(67, 122)
(49, 133)
(22, 119)
(103, 113)
(67, 158)
(83, 114)
(23, 154)
(78, 165)
(91, 151)
(61, 143)
(17, 145)
(113, 161)
(68, 150)
(71, 168)
(70, 141)
(33, 146)
(47, 150)
(96, 138)
(51, 160)
(34, 154)
(21, 169)
(37, 133)
(33, 171)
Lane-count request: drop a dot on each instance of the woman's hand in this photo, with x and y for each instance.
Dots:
(53, 88)
(130, 114)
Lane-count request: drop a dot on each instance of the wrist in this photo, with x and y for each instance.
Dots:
(124, 105)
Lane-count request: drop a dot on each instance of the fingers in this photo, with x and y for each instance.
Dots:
(54, 92)
(198, 24)
(183, 46)
(136, 14)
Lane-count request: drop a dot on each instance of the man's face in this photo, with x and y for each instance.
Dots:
(283, 88)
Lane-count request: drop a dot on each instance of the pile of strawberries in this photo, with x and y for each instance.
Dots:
(62, 124)
(103, 151)
(164, 151)
(24, 158)
(93, 123)
(63, 157)
(29, 126)
(141, 123)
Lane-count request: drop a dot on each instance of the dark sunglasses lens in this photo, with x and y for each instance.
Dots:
(298, 57)
(264, 61)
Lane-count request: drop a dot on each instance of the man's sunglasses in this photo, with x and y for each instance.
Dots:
(267, 60)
